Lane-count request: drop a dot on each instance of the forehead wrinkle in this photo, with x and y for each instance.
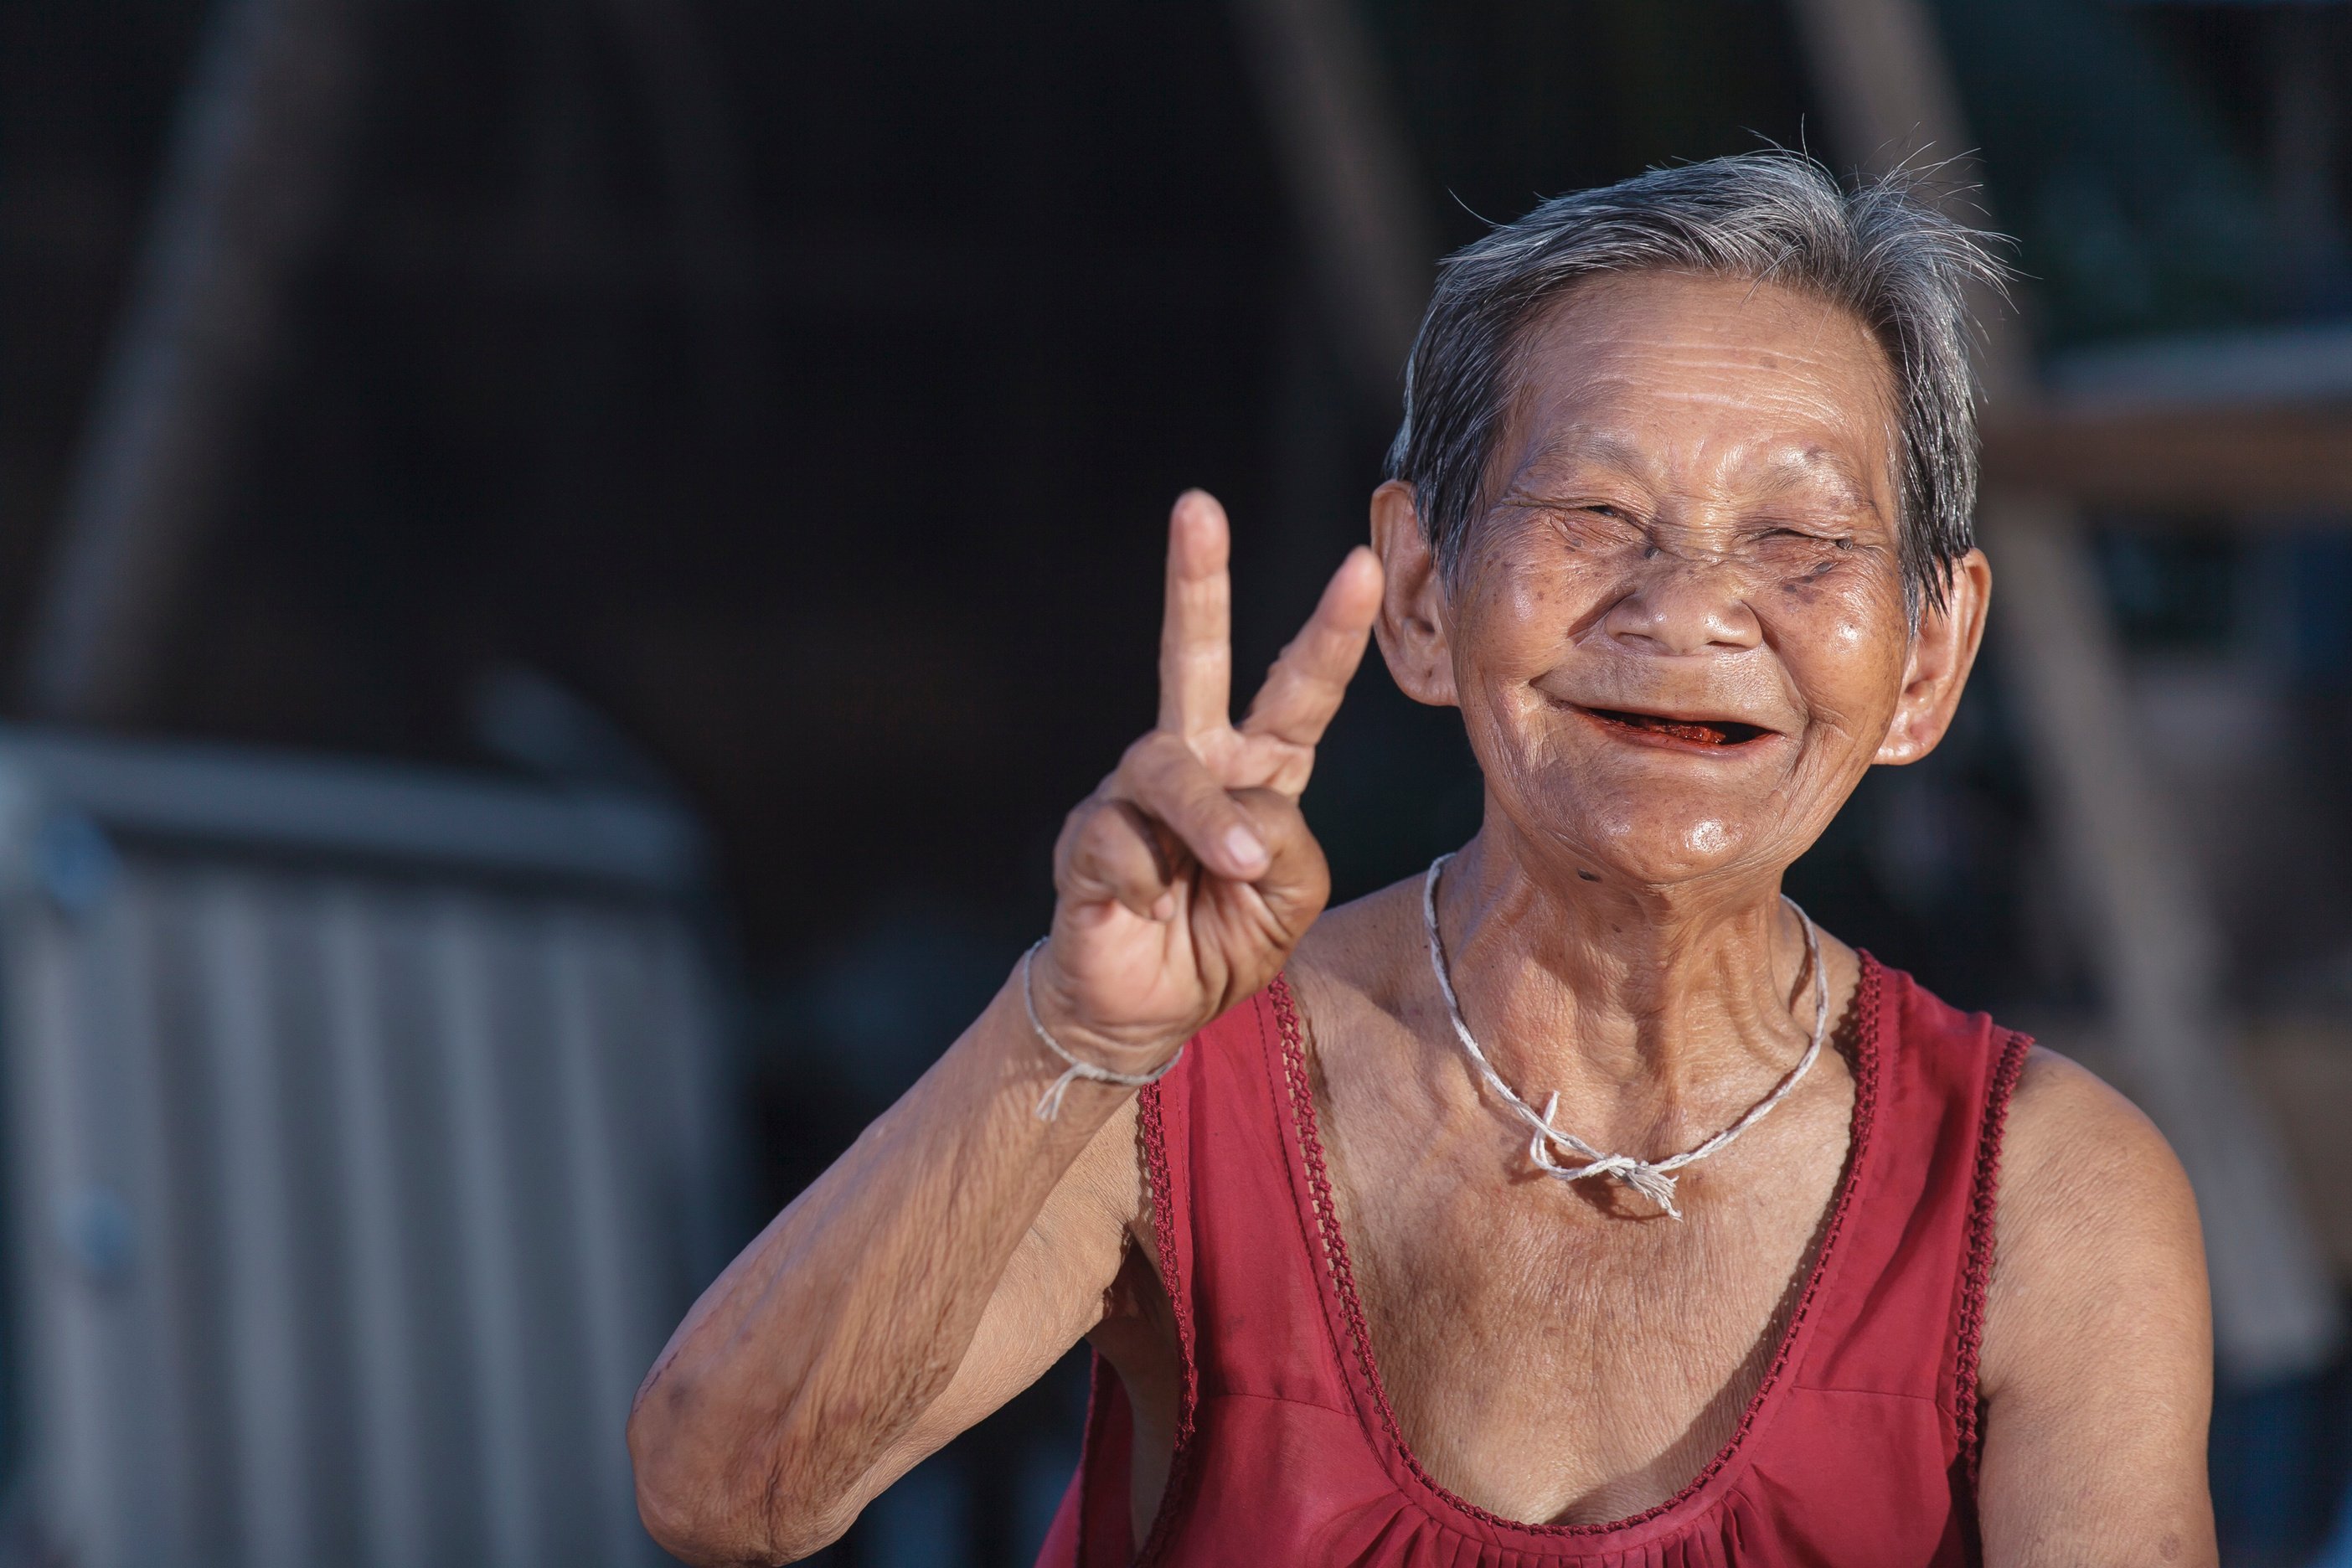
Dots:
(1612, 354)
(1788, 468)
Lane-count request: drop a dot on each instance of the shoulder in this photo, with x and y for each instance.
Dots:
(2076, 1157)
(2092, 1211)
(2057, 1096)
(1361, 956)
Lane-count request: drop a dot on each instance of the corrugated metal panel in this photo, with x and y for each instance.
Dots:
(347, 1206)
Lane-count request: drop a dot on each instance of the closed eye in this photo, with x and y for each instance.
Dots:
(1608, 511)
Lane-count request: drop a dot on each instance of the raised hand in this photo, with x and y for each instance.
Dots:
(1189, 874)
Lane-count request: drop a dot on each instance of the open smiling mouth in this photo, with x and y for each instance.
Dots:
(1718, 733)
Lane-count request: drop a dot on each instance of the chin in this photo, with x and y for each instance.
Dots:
(1655, 848)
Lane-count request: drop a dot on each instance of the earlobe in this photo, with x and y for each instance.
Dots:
(1412, 628)
(1942, 654)
(1923, 712)
(1903, 744)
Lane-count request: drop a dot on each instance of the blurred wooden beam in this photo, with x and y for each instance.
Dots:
(1348, 167)
(243, 202)
(2238, 463)
(675, 66)
(2150, 930)
(498, 255)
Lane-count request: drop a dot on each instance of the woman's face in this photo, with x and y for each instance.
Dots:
(1678, 635)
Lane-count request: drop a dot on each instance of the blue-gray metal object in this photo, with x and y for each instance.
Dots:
(360, 1150)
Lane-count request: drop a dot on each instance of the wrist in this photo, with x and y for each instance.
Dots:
(1061, 1008)
(1087, 1055)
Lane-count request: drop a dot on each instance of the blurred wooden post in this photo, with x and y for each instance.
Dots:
(2152, 940)
(670, 52)
(1354, 298)
(243, 200)
(1349, 169)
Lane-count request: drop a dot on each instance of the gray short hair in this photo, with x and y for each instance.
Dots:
(1880, 250)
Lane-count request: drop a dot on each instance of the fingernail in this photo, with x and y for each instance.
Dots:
(1244, 846)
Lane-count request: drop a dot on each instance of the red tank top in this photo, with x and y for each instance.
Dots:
(1859, 1447)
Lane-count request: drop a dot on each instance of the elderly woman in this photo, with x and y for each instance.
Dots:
(1578, 1203)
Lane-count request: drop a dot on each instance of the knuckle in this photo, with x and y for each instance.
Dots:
(1075, 825)
(1088, 844)
(1102, 832)
(1204, 812)
(1177, 796)
(1145, 767)
(1272, 812)
(1167, 752)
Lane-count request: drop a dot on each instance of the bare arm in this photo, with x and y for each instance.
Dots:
(962, 1244)
(2098, 1362)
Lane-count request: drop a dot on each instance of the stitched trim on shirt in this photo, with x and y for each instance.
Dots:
(1983, 1200)
(1151, 1129)
(1335, 1248)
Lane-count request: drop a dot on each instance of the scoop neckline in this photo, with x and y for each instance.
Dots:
(1344, 1310)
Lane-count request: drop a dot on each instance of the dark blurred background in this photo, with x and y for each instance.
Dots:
(772, 412)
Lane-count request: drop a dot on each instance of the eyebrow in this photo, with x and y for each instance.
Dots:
(1598, 447)
(1816, 463)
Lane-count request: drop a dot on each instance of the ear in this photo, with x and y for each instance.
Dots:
(1412, 627)
(1941, 657)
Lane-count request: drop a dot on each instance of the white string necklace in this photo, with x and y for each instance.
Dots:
(1653, 1179)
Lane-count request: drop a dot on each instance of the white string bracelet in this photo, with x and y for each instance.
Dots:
(1050, 1105)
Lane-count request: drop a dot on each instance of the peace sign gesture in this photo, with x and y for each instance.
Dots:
(1189, 874)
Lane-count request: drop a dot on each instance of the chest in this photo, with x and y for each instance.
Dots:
(1563, 1351)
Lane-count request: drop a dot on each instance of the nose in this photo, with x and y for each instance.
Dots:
(1678, 605)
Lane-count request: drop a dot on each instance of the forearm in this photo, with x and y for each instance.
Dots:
(815, 1366)
(837, 1329)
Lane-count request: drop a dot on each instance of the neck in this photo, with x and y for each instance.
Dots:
(1648, 999)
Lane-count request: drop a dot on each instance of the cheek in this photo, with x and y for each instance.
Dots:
(1519, 606)
(1846, 650)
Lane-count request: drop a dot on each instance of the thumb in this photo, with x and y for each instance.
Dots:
(1296, 882)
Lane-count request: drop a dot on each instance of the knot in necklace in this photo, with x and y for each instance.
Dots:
(1653, 1179)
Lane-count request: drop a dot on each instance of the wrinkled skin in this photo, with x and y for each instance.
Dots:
(1678, 636)
(1696, 517)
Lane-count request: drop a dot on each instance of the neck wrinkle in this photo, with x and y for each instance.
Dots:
(1654, 1005)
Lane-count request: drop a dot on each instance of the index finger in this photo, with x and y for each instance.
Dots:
(1196, 647)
